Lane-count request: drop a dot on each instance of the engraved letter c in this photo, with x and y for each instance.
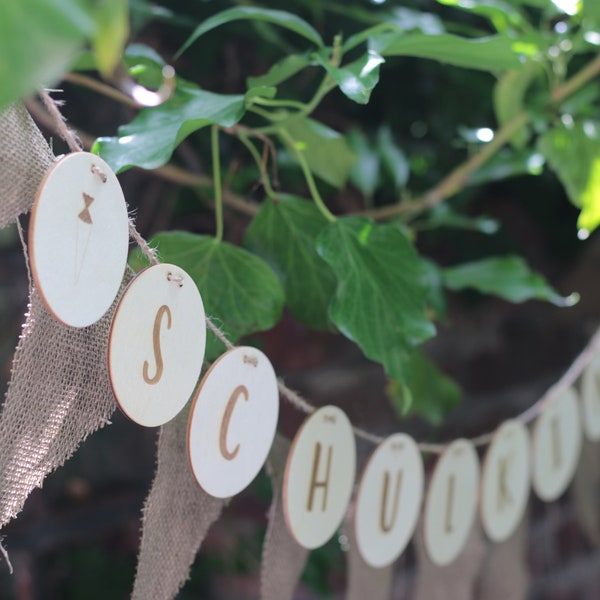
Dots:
(164, 309)
(240, 390)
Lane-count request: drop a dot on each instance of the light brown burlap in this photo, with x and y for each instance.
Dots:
(585, 491)
(364, 581)
(504, 574)
(59, 393)
(177, 516)
(24, 159)
(455, 581)
(283, 559)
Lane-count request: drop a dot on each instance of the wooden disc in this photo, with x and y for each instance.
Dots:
(388, 500)
(590, 400)
(505, 481)
(557, 439)
(78, 239)
(233, 421)
(156, 344)
(319, 476)
(451, 502)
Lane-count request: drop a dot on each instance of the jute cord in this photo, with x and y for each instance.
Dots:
(568, 378)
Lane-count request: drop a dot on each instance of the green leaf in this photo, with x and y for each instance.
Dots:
(150, 139)
(145, 64)
(574, 154)
(277, 17)
(356, 80)
(509, 99)
(394, 161)
(112, 29)
(283, 233)
(380, 300)
(38, 42)
(281, 71)
(427, 392)
(494, 53)
(500, 13)
(365, 172)
(326, 151)
(509, 163)
(443, 216)
(508, 277)
(241, 294)
(591, 9)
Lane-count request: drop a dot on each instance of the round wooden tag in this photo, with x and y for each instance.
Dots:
(557, 438)
(451, 502)
(319, 476)
(590, 400)
(156, 344)
(78, 239)
(505, 481)
(388, 500)
(232, 422)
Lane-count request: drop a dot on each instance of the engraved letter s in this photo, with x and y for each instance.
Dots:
(164, 309)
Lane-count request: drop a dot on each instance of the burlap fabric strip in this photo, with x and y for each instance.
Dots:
(283, 559)
(24, 159)
(364, 581)
(455, 581)
(177, 517)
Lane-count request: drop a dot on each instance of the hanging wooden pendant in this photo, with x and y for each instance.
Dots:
(451, 502)
(233, 421)
(590, 400)
(156, 344)
(556, 438)
(78, 238)
(505, 481)
(319, 476)
(388, 500)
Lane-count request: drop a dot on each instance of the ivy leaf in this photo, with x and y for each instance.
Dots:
(508, 277)
(574, 154)
(427, 392)
(509, 97)
(365, 172)
(499, 12)
(281, 71)
(494, 53)
(276, 17)
(241, 294)
(150, 139)
(38, 42)
(394, 161)
(145, 64)
(380, 299)
(112, 29)
(356, 80)
(443, 216)
(283, 233)
(327, 152)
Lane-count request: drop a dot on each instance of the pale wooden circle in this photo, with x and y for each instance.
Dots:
(325, 438)
(388, 500)
(233, 421)
(557, 439)
(590, 400)
(451, 502)
(78, 244)
(155, 353)
(505, 480)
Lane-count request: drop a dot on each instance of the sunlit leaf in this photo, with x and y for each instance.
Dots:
(241, 294)
(150, 139)
(489, 54)
(574, 154)
(356, 80)
(380, 299)
(283, 233)
(276, 17)
(508, 277)
(112, 29)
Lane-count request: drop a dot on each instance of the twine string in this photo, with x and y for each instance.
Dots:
(295, 399)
